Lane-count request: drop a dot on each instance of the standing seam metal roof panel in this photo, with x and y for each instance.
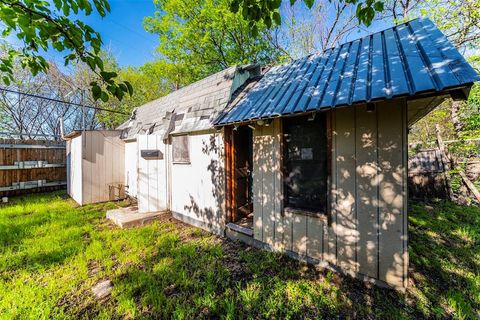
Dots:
(410, 58)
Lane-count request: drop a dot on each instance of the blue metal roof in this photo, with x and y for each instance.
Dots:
(410, 58)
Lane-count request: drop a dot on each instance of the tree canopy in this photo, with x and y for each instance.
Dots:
(200, 37)
(267, 11)
(44, 25)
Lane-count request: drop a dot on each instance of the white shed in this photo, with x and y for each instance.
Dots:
(94, 173)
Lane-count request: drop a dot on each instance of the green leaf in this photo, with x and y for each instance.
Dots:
(277, 18)
(96, 92)
(104, 96)
(6, 80)
(268, 21)
(309, 3)
(129, 88)
(108, 75)
(378, 6)
(254, 31)
(234, 6)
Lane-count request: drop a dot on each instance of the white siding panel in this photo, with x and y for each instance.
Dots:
(152, 179)
(74, 159)
(198, 187)
(143, 178)
(131, 167)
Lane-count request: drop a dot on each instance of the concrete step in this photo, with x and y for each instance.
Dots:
(130, 217)
(236, 232)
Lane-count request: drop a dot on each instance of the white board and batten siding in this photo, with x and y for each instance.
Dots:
(367, 235)
(131, 167)
(197, 187)
(74, 169)
(152, 179)
(95, 165)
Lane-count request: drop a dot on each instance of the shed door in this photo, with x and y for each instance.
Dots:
(152, 178)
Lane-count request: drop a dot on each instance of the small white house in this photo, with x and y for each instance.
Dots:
(94, 173)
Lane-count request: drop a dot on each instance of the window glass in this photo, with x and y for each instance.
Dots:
(180, 149)
(305, 163)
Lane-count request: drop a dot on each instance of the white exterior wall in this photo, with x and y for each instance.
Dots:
(152, 179)
(74, 169)
(103, 155)
(198, 188)
(95, 162)
(131, 167)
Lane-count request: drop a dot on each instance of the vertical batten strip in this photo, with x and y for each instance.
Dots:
(366, 171)
(344, 227)
(391, 192)
(405, 192)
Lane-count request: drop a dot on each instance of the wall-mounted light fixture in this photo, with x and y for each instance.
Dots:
(311, 116)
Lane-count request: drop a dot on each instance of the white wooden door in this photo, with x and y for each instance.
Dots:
(152, 178)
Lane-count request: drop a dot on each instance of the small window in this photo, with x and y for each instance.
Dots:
(305, 163)
(181, 152)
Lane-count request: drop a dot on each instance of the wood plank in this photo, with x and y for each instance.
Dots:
(268, 185)
(345, 225)
(299, 234)
(153, 175)
(315, 228)
(391, 202)
(162, 177)
(278, 184)
(288, 231)
(257, 176)
(366, 191)
(142, 176)
(329, 250)
(100, 169)
(405, 193)
(86, 146)
(229, 178)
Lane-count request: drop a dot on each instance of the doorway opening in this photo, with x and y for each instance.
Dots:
(239, 146)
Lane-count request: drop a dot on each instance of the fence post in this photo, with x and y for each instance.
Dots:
(445, 162)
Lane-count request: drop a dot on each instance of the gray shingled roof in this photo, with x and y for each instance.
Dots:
(191, 108)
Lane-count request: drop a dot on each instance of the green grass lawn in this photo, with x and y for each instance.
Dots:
(52, 252)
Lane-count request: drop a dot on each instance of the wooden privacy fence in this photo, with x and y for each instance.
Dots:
(426, 175)
(28, 166)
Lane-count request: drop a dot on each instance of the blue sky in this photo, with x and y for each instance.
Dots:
(121, 30)
(123, 33)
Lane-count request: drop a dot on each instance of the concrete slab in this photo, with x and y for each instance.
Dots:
(130, 217)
